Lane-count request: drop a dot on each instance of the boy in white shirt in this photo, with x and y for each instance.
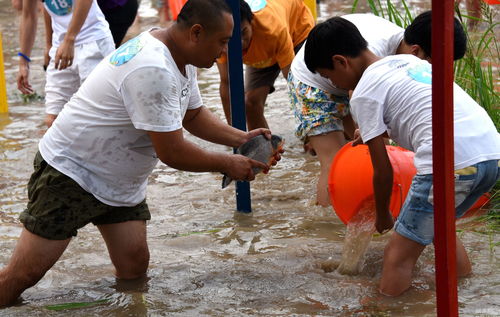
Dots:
(80, 40)
(392, 95)
(322, 110)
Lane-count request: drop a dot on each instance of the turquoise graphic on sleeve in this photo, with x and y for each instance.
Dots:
(422, 72)
(127, 51)
(256, 5)
(59, 7)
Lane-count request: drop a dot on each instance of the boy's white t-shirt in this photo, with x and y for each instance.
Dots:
(383, 39)
(394, 94)
(94, 28)
(99, 139)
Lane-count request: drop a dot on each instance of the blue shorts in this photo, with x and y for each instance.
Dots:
(416, 220)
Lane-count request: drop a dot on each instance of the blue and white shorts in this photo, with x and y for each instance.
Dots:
(416, 220)
(316, 111)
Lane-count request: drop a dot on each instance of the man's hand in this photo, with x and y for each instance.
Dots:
(23, 83)
(239, 168)
(253, 133)
(65, 54)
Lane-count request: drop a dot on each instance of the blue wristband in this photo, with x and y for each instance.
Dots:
(24, 56)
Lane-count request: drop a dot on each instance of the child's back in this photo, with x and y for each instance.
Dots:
(395, 95)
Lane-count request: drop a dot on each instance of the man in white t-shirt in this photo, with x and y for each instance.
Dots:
(392, 95)
(78, 38)
(93, 163)
(322, 110)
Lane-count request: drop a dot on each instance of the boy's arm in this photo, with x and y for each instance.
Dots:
(382, 183)
(224, 90)
(349, 127)
(65, 52)
(285, 71)
(27, 35)
(48, 37)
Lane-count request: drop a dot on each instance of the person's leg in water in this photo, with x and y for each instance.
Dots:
(255, 100)
(326, 147)
(127, 247)
(31, 259)
(400, 256)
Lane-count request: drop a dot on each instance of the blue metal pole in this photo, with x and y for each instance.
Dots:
(237, 98)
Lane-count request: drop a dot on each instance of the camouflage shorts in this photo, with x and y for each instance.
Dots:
(58, 206)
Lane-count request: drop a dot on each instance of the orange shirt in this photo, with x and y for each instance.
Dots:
(277, 29)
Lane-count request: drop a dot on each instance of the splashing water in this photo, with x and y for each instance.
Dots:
(359, 233)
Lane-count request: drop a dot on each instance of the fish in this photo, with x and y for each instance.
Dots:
(258, 148)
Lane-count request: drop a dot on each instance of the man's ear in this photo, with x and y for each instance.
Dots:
(194, 32)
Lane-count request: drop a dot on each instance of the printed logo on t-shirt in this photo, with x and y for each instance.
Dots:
(184, 92)
(59, 7)
(421, 72)
(256, 5)
(127, 51)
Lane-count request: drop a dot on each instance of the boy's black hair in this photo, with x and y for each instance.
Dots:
(419, 33)
(245, 12)
(335, 36)
(207, 13)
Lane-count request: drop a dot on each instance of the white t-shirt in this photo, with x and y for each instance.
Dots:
(94, 28)
(394, 94)
(383, 39)
(99, 138)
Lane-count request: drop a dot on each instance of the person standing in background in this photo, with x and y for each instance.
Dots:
(80, 38)
(271, 32)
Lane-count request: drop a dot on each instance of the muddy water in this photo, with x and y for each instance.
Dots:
(207, 259)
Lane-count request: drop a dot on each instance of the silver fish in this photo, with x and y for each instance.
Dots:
(260, 149)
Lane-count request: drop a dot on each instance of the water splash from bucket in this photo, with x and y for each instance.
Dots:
(359, 232)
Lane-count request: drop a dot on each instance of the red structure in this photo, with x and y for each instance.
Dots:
(443, 157)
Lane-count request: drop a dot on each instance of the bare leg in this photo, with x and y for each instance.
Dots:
(326, 147)
(400, 257)
(254, 103)
(31, 259)
(127, 247)
(464, 266)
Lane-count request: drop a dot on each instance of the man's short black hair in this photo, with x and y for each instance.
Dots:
(419, 32)
(245, 12)
(207, 13)
(335, 36)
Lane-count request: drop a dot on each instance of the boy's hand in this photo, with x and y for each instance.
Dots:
(64, 55)
(23, 75)
(384, 223)
(46, 59)
(357, 138)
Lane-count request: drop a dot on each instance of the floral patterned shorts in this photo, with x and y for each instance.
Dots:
(316, 111)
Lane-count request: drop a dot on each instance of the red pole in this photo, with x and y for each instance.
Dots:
(443, 158)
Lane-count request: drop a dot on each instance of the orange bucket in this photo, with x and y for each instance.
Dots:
(350, 179)
(350, 182)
